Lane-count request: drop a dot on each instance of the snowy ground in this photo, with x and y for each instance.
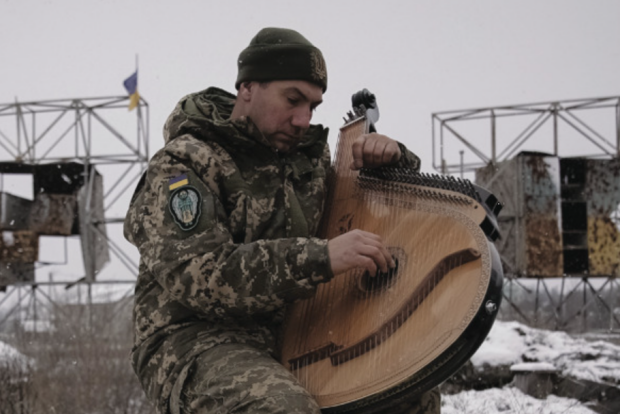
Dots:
(508, 344)
(508, 400)
(511, 343)
(11, 356)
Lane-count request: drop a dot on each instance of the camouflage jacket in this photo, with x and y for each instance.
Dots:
(224, 227)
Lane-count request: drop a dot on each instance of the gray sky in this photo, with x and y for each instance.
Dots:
(418, 57)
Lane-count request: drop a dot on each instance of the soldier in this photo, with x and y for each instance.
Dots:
(225, 218)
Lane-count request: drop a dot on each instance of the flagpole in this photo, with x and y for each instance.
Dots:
(139, 111)
(137, 76)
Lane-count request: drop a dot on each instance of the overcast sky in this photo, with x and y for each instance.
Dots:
(418, 57)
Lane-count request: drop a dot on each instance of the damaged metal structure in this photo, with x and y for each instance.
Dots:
(65, 148)
(561, 215)
(68, 200)
(558, 216)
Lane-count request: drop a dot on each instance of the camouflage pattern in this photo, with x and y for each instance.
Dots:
(429, 403)
(227, 279)
(237, 378)
(408, 159)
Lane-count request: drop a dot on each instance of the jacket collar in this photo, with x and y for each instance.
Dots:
(206, 116)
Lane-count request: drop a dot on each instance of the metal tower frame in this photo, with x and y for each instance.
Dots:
(486, 142)
(78, 130)
(556, 113)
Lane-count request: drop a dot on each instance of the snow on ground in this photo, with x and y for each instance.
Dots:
(508, 400)
(10, 356)
(511, 343)
(508, 344)
(8, 353)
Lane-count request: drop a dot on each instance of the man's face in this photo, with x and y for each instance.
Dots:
(282, 110)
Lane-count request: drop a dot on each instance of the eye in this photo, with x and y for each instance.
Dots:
(293, 101)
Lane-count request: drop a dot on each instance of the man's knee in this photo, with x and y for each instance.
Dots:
(240, 379)
(428, 403)
(295, 403)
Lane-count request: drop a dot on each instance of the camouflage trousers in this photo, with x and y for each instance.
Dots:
(429, 403)
(237, 378)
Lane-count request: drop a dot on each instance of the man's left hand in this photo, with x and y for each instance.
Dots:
(374, 150)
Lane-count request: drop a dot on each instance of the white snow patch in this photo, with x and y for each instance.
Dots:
(10, 356)
(512, 343)
(7, 238)
(508, 400)
(503, 346)
(532, 367)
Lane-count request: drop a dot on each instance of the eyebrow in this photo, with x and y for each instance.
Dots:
(303, 95)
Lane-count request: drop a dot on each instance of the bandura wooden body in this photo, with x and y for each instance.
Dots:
(363, 343)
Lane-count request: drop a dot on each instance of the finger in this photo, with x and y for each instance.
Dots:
(374, 240)
(379, 256)
(368, 264)
(358, 152)
(391, 153)
(376, 153)
(366, 234)
(387, 151)
(370, 147)
(378, 243)
(364, 238)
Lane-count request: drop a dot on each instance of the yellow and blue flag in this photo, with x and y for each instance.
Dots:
(177, 182)
(131, 85)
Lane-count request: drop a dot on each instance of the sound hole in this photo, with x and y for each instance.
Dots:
(381, 281)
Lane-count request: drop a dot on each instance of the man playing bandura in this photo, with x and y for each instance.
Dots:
(225, 221)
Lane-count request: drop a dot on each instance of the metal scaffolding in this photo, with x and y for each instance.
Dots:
(492, 142)
(486, 144)
(100, 137)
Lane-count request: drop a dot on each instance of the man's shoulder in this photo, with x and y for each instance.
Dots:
(188, 148)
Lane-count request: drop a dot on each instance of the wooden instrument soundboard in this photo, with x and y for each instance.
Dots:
(365, 343)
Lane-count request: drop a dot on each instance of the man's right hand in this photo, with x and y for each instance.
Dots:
(359, 249)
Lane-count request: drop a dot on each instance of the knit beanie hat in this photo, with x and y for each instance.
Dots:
(281, 54)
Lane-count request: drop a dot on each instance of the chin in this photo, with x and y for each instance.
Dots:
(283, 143)
(285, 147)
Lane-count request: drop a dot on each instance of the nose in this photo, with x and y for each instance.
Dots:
(301, 118)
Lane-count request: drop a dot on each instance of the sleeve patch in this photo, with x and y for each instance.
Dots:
(177, 182)
(185, 206)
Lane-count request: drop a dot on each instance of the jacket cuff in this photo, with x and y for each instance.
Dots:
(314, 263)
(408, 159)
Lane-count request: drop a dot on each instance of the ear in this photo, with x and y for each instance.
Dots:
(245, 90)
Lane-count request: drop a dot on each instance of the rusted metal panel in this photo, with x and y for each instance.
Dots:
(530, 222)
(14, 212)
(540, 177)
(53, 214)
(20, 246)
(560, 216)
(502, 180)
(48, 214)
(93, 233)
(602, 191)
(59, 178)
(11, 273)
(68, 200)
